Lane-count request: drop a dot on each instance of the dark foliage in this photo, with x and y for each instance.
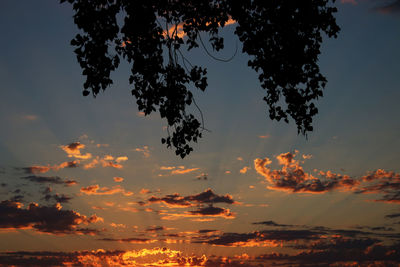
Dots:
(281, 37)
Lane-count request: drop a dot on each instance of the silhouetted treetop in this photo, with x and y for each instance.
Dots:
(282, 38)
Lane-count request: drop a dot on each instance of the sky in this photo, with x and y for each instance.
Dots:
(86, 181)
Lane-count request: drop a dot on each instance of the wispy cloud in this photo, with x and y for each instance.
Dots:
(30, 117)
(49, 180)
(43, 169)
(177, 170)
(97, 190)
(392, 7)
(106, 161)
(144, 150)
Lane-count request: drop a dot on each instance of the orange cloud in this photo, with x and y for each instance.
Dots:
(100, 257)
(144, 150)
(380, 174)
(37, 169)
(97, 190)
(177, 170)
(43, 169)
(118, 179)
(244, 170)
(102, 145)
(117, 225)
(106, 161)
(111, 164)
(292, 178)
(167, 168)
(120, 159)
(199, 213)
(140, 114)
(30, 117)
(91, 164)
(144, 191)
(74, 150)
(184, 171)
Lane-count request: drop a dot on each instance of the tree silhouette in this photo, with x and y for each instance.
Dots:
(282, 38)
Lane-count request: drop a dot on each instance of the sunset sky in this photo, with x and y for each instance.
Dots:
(86, 180)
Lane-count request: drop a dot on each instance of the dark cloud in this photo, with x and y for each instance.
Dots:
(272, 223)
(204, 231)
(376, 228)
(204, 202)
(48, 219)
(49, 180)
(212, 211)
(339, 243)
(386, 183)
(382, 187)
(259, 238)
(209, 197)
(60, 198)
(393, 215)
(17, 198)
(206, 197)
(392, 7)
(174, 200)
(375, 255)
(155, 228)
(35, 169)
(393, 197)
(203, 176)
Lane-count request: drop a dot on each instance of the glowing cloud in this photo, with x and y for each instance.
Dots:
(106, 161)
(97, 190)
(244, 170)
(74, 150)
(144, 150)
(43, 169)
(292, 178)
(118, 179)
(177, 170)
